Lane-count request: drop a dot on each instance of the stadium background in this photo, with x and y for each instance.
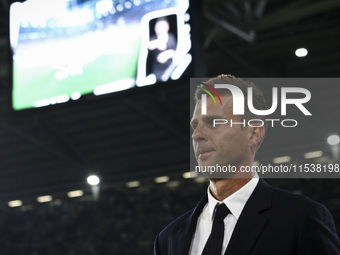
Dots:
(134, 137)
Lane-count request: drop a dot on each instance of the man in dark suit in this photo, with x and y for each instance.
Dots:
(241, 214)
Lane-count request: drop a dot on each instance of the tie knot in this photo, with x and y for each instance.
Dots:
(221, 211)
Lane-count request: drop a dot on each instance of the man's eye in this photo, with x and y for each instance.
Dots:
(211, 122)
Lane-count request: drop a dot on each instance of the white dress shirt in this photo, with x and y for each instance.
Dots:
(235, 202)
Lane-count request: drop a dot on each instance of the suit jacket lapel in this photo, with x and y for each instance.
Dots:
(251, 221)
(186, 228)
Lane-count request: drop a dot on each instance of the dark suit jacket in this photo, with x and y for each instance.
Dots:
(273, 222)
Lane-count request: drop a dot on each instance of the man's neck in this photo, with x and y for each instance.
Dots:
(223, 188)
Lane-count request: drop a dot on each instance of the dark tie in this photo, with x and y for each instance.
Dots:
(215, 240)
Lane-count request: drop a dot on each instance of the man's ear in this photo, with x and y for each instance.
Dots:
(256, 136)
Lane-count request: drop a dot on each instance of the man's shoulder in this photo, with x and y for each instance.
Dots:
(274, 201)
(174, 225)
(312, 221)
(164, 240)
(295, 201)
(186, 219)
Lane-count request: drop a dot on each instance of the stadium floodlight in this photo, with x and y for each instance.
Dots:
(333, 140)
(133, 184)
(173, 184)
(280, 160)
(188, 175)
(162, 179)
(301, 52)
(44, 199)
(201, 179)
(15, 203)
(313, 154)
(93, 180)
(75, 193)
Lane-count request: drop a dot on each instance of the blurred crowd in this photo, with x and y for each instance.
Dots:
(122, 221)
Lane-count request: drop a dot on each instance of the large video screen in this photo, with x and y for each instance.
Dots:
(64, 49)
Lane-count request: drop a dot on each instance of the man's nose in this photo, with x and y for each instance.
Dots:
(200, 133)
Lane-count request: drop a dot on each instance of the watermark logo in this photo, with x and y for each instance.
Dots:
(239, 104)
(238, 99)
(204, 97)
(288, 110)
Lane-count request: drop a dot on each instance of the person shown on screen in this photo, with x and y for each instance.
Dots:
(162, 48)
(242, 214)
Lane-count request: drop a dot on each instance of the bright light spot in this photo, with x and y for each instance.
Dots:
(128, 5)
(119, 7)
(121, 22)
(136, 2)
(333, 140)
(313, 154)
(15, 203)
(201, 180)
(173, 184)
(62, 98)
(44, 199)
(188, 175)
(75, 193)
(280, 160)
(133, 184)
(42, 102)
(53, 100)
(104, 6)
(75, 95)
(301, 52)
(162, 179)
(93, 180)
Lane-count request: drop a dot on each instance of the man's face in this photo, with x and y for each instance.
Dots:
(223, 145)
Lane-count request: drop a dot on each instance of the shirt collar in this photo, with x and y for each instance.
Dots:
(236, 201)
